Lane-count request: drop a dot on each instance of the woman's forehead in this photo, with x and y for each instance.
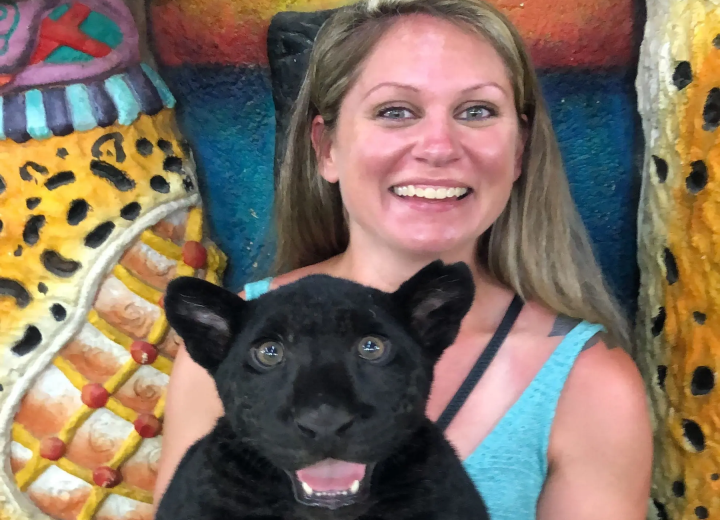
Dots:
(422, 52)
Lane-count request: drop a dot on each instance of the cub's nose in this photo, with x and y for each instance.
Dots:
(324, 421)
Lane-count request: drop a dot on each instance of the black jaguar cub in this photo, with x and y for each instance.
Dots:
(324, 384)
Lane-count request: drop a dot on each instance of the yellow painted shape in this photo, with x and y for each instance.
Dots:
(32, 470)
(163, 364)
(184, 270)
(161, 245)
(136, 285)
(193, 227)
(93, 503)
(159, 329)
(108, 330)
(104, 199)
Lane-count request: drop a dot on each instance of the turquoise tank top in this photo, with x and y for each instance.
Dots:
(510, 466)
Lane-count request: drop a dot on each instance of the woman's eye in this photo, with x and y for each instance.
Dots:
(476, 113)
(395, 113)
(269, 354)
(372, 348)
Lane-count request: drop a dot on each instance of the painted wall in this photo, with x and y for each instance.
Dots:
(679, 251)
(212, 54)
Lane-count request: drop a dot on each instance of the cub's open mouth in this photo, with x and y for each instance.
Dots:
(331, 483)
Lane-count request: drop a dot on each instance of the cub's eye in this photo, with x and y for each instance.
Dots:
(268, 355)
(372, 348)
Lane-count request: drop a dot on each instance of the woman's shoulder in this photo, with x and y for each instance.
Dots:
(604, 402)
(285, 278)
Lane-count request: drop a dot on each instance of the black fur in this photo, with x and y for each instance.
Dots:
(323, 400)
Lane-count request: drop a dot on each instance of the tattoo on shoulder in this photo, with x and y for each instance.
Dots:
(563, 324)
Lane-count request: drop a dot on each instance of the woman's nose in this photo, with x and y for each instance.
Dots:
(438, 143)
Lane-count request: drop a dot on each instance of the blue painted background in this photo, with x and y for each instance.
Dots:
(227, 114)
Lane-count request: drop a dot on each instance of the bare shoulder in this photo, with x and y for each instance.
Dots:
(295, 275)
(603, 405)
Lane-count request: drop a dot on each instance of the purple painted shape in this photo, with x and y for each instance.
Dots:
(124, 55)
(22, 41)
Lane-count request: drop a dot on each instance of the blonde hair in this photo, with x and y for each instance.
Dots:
(538, 246)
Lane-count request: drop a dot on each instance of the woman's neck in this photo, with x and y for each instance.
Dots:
(386, 269)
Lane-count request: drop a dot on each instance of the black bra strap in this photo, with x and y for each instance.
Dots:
(481, 364)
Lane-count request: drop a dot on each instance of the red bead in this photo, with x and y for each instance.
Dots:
(147, 425)
(194, 254)
(143, 352)
(52, 448)
(106, 477)
(161, 302)
(94, 395)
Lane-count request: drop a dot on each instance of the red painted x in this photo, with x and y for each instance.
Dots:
(65, 31)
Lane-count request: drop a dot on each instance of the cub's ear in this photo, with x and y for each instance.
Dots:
(435, 301)
(205, 316)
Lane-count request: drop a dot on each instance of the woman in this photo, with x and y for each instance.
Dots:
(420, 133)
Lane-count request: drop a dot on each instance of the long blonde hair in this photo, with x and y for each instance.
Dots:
(538, 246)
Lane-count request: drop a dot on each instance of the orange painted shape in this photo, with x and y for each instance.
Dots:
(560, 33)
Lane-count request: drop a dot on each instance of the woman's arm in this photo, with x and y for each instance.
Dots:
(191, 410)
(601, 444)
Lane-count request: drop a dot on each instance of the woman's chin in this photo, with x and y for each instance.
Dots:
(434, 244)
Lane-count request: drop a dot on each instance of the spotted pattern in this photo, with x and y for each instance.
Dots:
(679, 251)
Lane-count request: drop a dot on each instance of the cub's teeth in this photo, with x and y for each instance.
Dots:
(355, 487)
(429, 193)
(307, 489)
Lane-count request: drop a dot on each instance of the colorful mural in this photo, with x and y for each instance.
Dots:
(213, 55)
(99, 210)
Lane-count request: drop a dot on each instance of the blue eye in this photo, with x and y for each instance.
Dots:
(372, 348)
(395, 113)
(476, 113)
(269, 354)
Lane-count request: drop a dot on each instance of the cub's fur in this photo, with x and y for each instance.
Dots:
(322, 369)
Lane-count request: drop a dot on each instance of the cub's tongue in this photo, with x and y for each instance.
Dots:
(331, 475)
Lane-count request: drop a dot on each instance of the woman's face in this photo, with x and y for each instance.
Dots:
(427, 144)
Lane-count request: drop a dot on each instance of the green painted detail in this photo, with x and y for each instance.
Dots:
(67, 55)
(59, 11)
(103, 29)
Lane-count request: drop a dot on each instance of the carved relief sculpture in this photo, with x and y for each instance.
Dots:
(99, 210)
(679, 252)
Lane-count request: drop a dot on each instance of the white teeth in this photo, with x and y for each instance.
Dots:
(429, 193)
(308, 490)
(355, 487)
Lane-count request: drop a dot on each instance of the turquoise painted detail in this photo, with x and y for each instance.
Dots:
(80, 107)
(35, 114)
(5, 9)
(167, 98)
(66, 54)
(127, 106)
(103, 29)
(59, 11)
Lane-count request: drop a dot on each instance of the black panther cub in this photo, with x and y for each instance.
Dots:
(324, 384)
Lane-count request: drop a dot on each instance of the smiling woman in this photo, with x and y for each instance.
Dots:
(420, 133)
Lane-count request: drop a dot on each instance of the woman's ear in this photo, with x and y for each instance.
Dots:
(323, 149)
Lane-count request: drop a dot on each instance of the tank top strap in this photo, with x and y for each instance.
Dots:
(256, 289)
(482, 363)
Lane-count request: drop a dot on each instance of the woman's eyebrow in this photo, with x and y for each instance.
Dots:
(477, 86)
